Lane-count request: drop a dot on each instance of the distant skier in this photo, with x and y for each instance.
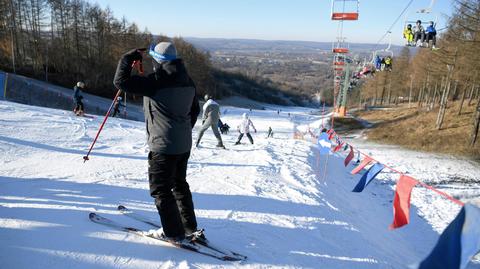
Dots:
(211, 115)
(116, 106)
(244, 129)
(77, 99)
(171, 109)
(270, 132)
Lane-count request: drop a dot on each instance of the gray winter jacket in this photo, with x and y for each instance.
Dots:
(211, 111)
(170, 103)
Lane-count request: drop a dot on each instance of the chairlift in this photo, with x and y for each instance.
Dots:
(340, 47)
(345, 10)
(424, 15)
(384, 52)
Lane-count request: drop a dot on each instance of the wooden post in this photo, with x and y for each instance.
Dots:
(470, 98)
(476, 124)
(454, 90)
(410, 93)
(461, 102)
(432, 105)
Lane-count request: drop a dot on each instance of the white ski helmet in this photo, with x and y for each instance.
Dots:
(80, 84)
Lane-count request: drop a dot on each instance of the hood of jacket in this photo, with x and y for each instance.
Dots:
(171, 72)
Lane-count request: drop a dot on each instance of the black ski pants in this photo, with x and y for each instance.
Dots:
(241, 136)
(78, 106)
(168, 185)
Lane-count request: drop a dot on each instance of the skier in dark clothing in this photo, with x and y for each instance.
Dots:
(270, 132)
(171, 109)
(116, 106)
(77, 99)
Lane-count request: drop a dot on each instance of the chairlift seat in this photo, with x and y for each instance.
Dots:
(340, 50)
(345, 16)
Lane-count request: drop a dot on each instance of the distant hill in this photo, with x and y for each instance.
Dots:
(256, 45)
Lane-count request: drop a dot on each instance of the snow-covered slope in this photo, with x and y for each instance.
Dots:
(271, 201)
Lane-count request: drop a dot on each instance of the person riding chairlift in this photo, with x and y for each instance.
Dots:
(408, 35)
(378, 63)
(431, 34)
(388, 63)
(419, 33)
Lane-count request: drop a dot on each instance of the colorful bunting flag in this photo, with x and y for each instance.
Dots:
(338, 147)
(458, 243)
(330, 133)
(401, 201)
(364, 163)
(368, 177)
(346, 147)
(349, 156)
(324, 144)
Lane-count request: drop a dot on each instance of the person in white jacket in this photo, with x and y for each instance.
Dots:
(244, 128)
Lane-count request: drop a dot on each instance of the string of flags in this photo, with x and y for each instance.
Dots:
(458, 243)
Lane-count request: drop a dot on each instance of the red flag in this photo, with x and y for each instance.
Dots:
(349, 156)
(338, 147)
(330, 133)
(401, 202)
(364, 163)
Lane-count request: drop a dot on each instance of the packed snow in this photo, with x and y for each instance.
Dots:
(273, 201)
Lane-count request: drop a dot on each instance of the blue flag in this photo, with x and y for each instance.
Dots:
(458, 243)
(324, 144)
(368, 177)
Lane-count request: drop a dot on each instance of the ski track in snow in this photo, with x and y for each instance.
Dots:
(271, 201)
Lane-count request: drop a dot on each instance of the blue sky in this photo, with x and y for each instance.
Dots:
(307, 20)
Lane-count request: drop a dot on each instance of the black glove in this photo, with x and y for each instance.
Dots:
(134, 55)
(203, 121)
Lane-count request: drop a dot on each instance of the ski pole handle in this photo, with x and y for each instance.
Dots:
(85, 158)
(138, 65)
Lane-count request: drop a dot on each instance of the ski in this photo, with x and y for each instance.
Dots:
(187, 246)
(206, 243)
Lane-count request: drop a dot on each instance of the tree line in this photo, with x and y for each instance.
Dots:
(65, 41)
(432, 78)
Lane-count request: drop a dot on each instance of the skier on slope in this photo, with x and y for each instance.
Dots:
(270, 132)
(116, 106)
(77, 99)
(244, 128)
(171, 109)
(210, 118)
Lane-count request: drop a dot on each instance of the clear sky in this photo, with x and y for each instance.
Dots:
(307, 20)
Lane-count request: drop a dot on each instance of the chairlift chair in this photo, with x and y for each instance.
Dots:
(345, 10)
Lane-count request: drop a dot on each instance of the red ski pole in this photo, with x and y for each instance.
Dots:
(136, 65)
(85, 158)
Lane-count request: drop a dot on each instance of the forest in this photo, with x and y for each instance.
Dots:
(65, 41)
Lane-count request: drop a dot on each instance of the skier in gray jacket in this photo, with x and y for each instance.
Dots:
(171, 108)
(211, 116)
